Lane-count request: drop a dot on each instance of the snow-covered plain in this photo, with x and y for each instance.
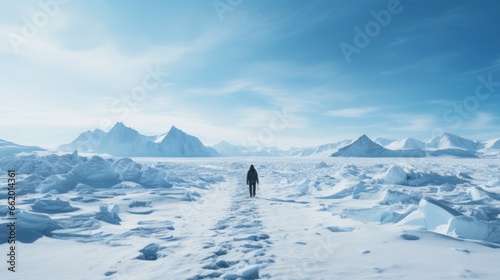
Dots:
(330, 218)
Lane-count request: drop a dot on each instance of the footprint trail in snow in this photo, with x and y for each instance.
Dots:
(239, 244)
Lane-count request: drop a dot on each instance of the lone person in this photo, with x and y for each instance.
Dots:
(252, 180)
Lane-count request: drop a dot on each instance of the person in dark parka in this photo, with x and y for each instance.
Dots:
(252, 180)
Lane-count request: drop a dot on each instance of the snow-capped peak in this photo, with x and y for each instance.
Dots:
(407, 143)
(124, 141)
(451, 141)
(493, 144)
(363, 147)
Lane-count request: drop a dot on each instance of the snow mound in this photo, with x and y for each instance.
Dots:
(95, 172)
(52, 206)
(57, 184)
(28, 185)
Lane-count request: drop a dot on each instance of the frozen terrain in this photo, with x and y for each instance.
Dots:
(332, 218)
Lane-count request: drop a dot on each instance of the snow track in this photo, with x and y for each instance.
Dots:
(239, 244)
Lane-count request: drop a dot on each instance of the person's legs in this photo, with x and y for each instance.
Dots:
(250, 188)
(253, 189)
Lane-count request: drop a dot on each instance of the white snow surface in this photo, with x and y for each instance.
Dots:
(171, 218)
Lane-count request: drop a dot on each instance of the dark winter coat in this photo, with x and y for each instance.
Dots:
(252, 176)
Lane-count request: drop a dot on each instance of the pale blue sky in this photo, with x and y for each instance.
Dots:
(284, 73)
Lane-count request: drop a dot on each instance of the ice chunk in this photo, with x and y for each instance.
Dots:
(96, 172)
(250, 273)
(154, 178)
(109, 216)
(58, 184)
(468, 227)
(321, 164)
(137, 203)
(52, 206)
(395, 175)
(400, 196)
(436, 213)
(128, 170)
(150, 252)
(384, 214)
(476, 194)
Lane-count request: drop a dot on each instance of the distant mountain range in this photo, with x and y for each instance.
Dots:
(445, 144)
(123, 141)
(9, 148)
(442, 145)
(227, 149)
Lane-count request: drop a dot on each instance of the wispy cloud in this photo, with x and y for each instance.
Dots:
(437, 62)
(411, 122)
(352, 112)
(482, 121)
(457, 16)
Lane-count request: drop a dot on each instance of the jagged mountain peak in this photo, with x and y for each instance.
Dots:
(363, 147)
(125, 141)
(175, 131)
